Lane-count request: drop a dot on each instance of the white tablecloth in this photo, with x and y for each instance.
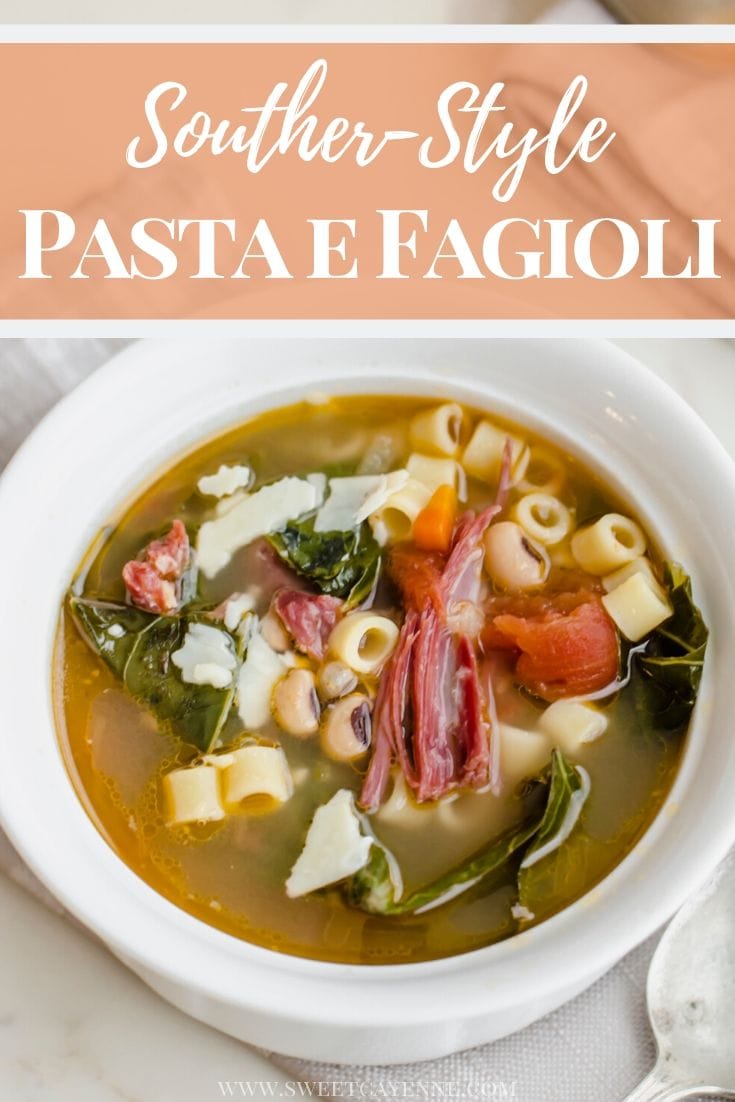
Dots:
(598, 1046)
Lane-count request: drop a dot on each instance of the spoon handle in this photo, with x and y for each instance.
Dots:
(655, 1088)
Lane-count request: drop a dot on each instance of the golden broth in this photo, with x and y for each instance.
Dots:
(231, 874)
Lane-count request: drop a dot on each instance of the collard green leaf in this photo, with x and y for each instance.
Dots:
(342, 564)
(494, 859)
(668, 673)
(372, 887)
(568, 792)
(565, 790)
(196, 712)
(110, 629)
(137, 646)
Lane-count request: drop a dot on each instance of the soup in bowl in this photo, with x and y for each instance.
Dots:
(376, 679)
(512, 827)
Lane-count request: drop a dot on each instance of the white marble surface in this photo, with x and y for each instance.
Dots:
(75, 1026)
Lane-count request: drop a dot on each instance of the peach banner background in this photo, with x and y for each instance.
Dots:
(71, 110)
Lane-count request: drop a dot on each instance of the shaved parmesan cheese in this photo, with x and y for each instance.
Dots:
(319, 482)
(390, 484)
(259, 674)
(267, 510)
(352, 500)
(225, 481)
(225, 504)
(236, 607)
(210, 673)
(334, 849)
(206, 657)
(346, 498)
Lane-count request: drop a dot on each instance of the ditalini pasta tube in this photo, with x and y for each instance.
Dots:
(636, 607)
(522, 753)
(437, 431)
(544, 473)
(432, 471)
(609, 543)
(542, 517)
(570, 724)
(484, 453)
(363, 641)
(256, 770)
(192, 795)
(394, 520)
(636, 566)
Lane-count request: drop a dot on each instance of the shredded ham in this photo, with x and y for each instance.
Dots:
(462, 576)
(473, 716)
(434, 711)
(308, 618)
(391, 719)
(153, 581)
(169, 556)
(431, 715)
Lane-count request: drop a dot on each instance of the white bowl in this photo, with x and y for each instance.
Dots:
(158, 398)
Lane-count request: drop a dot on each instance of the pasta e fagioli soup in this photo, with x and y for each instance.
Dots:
(376, 679)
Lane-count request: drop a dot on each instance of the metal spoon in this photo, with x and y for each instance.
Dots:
(691, 998)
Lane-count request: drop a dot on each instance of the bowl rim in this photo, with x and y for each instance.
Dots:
(533, 942)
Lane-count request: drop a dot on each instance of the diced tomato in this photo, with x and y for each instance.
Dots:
(492, 639)
(562, 593)
(526, 606)
(568, 645)
(417, 575)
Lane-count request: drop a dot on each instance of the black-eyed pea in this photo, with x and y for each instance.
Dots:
(335, 679)
(512, 560)
(296, 704)
(347, 728)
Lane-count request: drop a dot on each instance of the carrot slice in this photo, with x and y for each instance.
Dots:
(433, 527)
